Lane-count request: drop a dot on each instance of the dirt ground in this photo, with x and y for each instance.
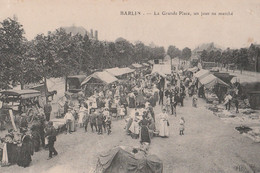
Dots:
(208, 145)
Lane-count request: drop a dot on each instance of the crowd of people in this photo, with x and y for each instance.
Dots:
(133, 100)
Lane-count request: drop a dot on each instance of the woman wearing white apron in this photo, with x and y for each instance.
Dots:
(164, 124)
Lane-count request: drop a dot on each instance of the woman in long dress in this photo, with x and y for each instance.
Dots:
(134, 127)
(144, 132)
(82, 113)
(25, 152)
(164, 124)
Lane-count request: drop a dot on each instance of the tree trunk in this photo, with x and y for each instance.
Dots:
(66, 81)
(22, 85)
(46, 89)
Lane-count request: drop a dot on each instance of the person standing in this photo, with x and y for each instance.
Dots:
(92, 119)
(100, 120)
(69, 118)
(66, 107)
(228, 99)
(236, 104)
(164, 124)
(51, 133)
(86, 121)
(82, 114)
(161, 97)
(47, 111)
(144, 131)
(182, 122)
(107, 120)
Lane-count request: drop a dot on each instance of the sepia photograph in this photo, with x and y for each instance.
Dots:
(128, 86)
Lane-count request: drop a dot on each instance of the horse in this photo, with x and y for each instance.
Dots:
(51, 94)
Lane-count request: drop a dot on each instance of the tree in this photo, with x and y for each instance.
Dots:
(173, 51)
(16, 66)
(254, 57)
(186, 53)
(242, 59)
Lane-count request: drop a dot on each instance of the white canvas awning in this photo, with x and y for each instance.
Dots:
(162, 69)
(137, 65)
(201, 74)
(119, 71)
(103, 76)
(145, 64)
(193, 69)
(211, 80)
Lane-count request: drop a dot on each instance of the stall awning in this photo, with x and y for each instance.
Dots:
(151, 62)
(162, 69)
(137, 65)
(201, 74)
(103, 76)
(119, 71)
(193, 69)
(211, 80)
(145, 64)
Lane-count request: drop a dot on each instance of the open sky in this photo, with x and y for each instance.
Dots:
(235, 31)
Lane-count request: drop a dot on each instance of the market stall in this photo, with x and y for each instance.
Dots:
(162, 69)
(214, 87)
(201, 74)
(120, 73)
(97, 80)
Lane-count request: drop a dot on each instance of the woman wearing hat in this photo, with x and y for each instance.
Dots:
(144, 132)
(164, 124)
(9, 150)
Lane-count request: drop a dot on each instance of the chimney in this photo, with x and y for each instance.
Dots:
(96, 35)
(91, 33)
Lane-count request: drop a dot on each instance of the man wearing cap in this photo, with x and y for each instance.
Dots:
(69, 118)
(50, 133)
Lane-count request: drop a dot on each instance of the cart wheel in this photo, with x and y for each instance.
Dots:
(30, 115)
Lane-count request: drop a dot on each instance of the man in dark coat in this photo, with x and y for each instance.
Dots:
(66, 107)
(47, 111)
(50, 133)
(100, 119)
(161, 97)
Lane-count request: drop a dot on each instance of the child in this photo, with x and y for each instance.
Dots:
(122, 112)
(182, 122)
(108, 123)
(194, 100)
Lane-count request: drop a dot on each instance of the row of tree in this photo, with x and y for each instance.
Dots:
(59, 54)
(243, 58)
(174, 52)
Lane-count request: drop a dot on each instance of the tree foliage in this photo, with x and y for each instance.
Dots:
(59, 54)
